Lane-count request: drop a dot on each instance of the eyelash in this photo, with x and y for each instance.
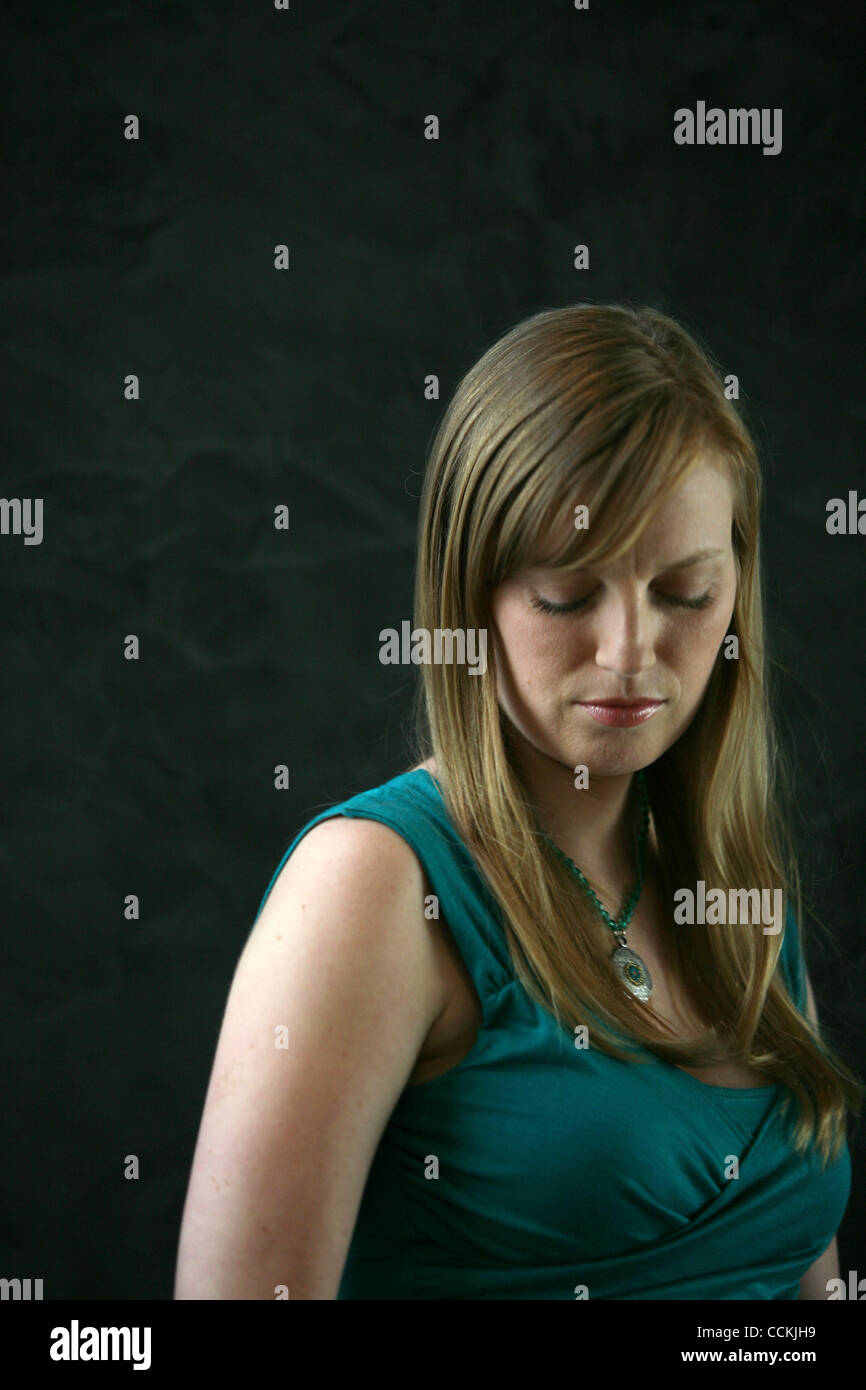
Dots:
(544, 606)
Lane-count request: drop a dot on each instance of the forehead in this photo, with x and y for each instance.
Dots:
(700, 509)
(696, 515)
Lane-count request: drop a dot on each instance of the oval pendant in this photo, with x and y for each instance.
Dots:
(633, 972)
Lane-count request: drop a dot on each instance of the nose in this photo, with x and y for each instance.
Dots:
(625, 634)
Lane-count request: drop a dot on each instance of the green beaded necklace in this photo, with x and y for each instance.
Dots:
(632, 970)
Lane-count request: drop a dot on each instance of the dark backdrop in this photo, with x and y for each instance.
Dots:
(305, 387)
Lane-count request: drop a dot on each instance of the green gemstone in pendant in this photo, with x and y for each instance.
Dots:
(633, 972)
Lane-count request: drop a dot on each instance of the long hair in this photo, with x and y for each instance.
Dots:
(612, 406)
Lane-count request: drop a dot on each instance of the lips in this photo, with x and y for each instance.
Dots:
(621, 714)
(623, 704)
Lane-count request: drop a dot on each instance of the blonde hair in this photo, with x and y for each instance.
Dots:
(612, 406)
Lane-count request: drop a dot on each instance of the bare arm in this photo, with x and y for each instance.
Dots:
(342, 956)
(813, 1284)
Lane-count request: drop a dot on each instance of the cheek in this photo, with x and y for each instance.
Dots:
(718, 622)
(697, 644)
(532, 654)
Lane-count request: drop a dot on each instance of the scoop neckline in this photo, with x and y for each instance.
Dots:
(694, 1080)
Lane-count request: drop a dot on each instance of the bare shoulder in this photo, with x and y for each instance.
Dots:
(352, 895)
(348, 860)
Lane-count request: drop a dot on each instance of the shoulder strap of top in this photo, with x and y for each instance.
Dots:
(412, 805)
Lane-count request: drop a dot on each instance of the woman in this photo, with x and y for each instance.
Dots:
(476, 1045)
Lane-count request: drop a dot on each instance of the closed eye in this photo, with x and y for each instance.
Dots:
(672, 600)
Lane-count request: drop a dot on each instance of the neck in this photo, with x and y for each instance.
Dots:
(594, 826)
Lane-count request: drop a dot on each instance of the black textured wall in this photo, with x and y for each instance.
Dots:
(305, 387)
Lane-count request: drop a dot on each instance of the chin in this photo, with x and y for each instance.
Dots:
(619, 756)
(625, 767)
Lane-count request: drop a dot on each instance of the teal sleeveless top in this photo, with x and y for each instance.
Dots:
(538, 1170)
